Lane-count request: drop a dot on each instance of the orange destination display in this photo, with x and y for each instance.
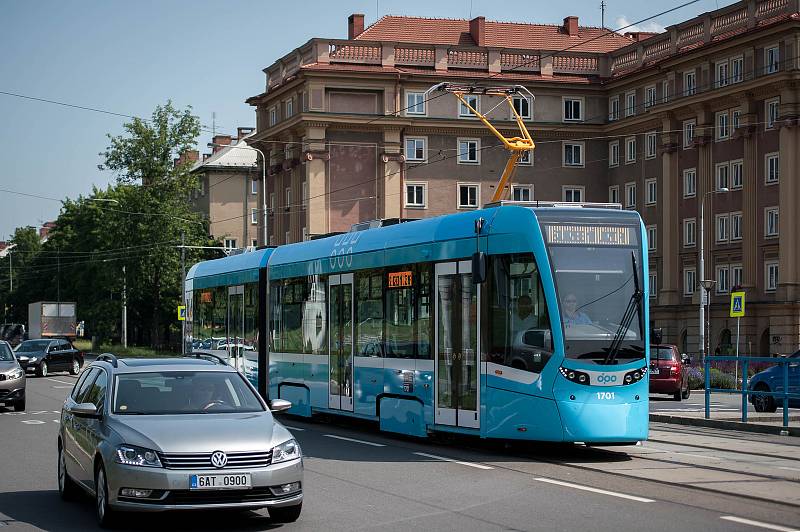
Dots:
(400, 279)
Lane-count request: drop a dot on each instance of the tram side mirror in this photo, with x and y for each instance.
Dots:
(478, 267)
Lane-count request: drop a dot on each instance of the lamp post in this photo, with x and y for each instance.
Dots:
(263, 183)
(704, 295)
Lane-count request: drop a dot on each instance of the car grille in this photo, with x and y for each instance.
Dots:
(203, 460)
(218, 496)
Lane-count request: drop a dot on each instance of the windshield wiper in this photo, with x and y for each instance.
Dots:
(633, 308)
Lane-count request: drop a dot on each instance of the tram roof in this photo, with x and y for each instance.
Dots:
(245, 266)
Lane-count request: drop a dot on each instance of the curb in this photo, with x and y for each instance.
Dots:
(725, 424)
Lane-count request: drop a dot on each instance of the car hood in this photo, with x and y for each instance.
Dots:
(29, 353)
(6, 365)
(201, 433)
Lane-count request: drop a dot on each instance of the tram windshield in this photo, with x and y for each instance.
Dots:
(593, 266)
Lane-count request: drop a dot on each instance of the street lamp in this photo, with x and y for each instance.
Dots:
(263, 182)
(703, 281)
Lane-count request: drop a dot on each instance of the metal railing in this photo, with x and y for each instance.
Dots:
(745, 391)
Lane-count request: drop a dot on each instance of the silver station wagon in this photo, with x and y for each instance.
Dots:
(175, 434)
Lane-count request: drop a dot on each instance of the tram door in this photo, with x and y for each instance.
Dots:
(457, 393)
(235, 337)
(340, 313)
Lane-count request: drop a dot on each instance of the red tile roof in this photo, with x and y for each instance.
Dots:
(501, 34)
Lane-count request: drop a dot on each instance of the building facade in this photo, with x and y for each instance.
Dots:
(700, 121)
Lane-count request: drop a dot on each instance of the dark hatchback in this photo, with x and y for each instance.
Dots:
(45, 356)
(669, 371)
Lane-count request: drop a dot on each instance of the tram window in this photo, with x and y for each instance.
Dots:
(408, 312)
(519, 334)
(251, 317)
(369, 313)
(424, 315)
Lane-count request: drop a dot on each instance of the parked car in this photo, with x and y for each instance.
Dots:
(45, 356)
(176, 434)
(771, 380)
(669, 371)
(12, 379)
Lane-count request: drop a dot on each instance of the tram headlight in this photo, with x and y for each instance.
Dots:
(575, 376)
(632, 377)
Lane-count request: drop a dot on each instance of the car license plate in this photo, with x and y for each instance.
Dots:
(220, 482)
(655, 371)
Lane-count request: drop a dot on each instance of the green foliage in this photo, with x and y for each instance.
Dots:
(718, 379)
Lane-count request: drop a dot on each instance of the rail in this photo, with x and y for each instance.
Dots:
(785, 395)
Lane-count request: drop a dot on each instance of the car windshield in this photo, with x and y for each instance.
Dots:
(33, 345)
(661, 353)
(183, 392)
(5, 353)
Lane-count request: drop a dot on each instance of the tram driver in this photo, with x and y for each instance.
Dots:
(571, 313)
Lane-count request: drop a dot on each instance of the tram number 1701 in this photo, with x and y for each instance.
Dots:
(609, 396)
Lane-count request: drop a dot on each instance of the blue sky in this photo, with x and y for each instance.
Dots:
(127, 57)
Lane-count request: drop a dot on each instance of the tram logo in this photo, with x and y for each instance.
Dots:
(342, 253)
(606, 379)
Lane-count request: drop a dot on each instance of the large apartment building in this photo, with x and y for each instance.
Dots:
(701, 119)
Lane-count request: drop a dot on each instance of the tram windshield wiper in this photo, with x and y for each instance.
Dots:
(634, 308)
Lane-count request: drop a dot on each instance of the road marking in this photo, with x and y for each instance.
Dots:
(594, 490)
(62, 387)
(445, 459)
(759, 524)
(786, 468)
(38, 412)
(57, 421)
(61, 382)
(33, 422)
(354, 440)
(294, 428)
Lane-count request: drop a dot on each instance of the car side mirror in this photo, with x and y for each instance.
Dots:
(85, 410)
(279, 405)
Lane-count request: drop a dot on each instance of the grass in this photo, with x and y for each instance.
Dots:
(129, 352)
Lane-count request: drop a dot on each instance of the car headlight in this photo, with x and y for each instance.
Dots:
(137, 456)
(33, 359)
(15, 374)
(288, 450)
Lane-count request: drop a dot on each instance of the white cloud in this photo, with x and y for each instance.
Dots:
(649, 26)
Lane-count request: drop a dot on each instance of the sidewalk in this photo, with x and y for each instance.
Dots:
(756, 422)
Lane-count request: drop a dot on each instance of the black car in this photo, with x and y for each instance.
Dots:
(45, 356)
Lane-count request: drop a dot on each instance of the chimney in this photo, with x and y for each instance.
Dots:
(571, 26)
(218, 142)
(355, 25)
(637, 36)
(206, 156)
(477, 28)
(242, 132)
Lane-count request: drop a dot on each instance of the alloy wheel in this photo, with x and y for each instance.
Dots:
(44, 369)
(75, 367)
(61, 471)
(100, 494)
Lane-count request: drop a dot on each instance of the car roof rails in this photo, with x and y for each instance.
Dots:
(208, 356)
(109, 357)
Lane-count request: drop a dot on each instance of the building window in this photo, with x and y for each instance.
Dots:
(469, 151)
(467, 196)
(723, 130)
(688, 133)
(271, 202)
(572, 193)
(689, 183)
(273, 116)
(305, 234)
(737, 69)
(736, 226)
(613, 109)
(526, 159)
(202, 181)
(254, 216)
(415, 149)
(723, 272)
(613, 194)
(474, 101)
(287, 237)
(522, 192)
(689, 83)
(771, 59)
(653, 285)
(522, 105)
(771, 112)
(573, 109)
(771, 275)
(689, 281)
(415, 103)
(651, 145)
(722, 173)
(630, 150)
(736, 118)
(289, 107)
(772, 168)
(649, 96)
(230, 243)
(665, 91)
(613, 153)
(737, 277)
(771, 221)
(288, 198)
(721, 79)
(254, 243)
(651, 191)
(254, 187)
(415, 195)
(737, 174)
(630, 103)
(573, 154)
(722, 221)
(651, 237)
(630, 195)
(305, 193)
(689, 232)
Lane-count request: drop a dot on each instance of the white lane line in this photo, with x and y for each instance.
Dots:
(445, 459)
(759, 524)
(57, 421)
(354, 440)
(294, 428)
(61, 382)
(33, 422)
(62, 387)
(594, 490)
(786, 468)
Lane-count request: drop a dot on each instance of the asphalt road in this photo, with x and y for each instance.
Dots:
(358, 478)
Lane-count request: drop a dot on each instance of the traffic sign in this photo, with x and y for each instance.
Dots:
(737, 304)
(181, 312)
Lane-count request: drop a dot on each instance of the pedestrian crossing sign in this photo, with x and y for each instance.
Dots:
(181, 312)
(737, 304)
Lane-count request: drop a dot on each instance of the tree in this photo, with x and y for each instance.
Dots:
(25, 245)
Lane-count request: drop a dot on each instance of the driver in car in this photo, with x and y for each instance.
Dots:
(204, 394)
(572, 315)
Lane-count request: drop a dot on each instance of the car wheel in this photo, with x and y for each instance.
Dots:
(687, 392)
(41, 371)
(285, 514)
(764, 403)
(76, 367)
(66, 486)
(19, 405)
(105, 515)
(677, 395)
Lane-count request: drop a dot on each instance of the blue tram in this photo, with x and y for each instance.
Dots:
(519, 322)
